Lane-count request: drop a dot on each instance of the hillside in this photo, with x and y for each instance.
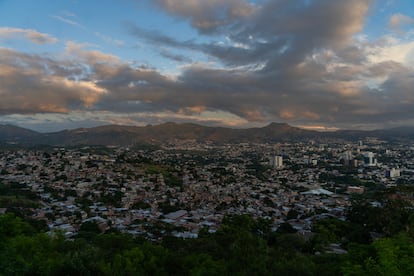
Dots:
(170, 132)
(14, 134)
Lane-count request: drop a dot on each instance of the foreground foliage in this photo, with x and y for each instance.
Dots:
(241, 246)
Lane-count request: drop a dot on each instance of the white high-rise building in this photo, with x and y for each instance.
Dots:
(369, 158)
(276, 161)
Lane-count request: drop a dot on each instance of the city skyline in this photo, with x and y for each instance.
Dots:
(315, 64)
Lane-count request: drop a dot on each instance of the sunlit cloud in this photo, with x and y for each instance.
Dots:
(392, 49)
(308, 63)
(31, 35)
(209, 15)
(398, 21)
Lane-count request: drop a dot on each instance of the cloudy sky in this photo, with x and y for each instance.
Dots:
(320, 64)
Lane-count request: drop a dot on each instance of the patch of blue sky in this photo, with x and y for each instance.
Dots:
(377, 23)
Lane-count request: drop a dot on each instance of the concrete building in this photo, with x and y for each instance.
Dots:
(369, 159)
(393, 173)
(276, 161)
(347, 157)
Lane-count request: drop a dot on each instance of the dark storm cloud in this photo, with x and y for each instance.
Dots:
(279, 32)
(276, 64)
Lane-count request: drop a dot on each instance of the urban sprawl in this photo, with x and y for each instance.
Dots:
(184, 187)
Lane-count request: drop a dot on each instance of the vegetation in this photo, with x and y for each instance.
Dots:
(241, 246)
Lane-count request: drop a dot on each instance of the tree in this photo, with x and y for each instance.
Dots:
(386, 256)
(11, 226)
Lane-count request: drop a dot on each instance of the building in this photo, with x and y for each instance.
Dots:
(347, 157)
(369, 159)
(393, 173)
(276, 161)
(355, 190)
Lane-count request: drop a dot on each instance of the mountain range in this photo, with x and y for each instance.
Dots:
(170, 132)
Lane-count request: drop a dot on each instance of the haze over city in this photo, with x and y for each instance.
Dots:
(317, 64)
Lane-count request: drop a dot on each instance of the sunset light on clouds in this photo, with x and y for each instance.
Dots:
(317, 64)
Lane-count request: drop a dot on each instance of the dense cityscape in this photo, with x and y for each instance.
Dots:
(188, 186)
(327, 198)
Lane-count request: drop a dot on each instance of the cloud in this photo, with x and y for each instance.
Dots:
(109, 39)
(34, 84)
(67, 20)
(391, 49)
(32, 35)
(209, 15)
(158, 38)
(278, 32)
(91, 57)
(398, 21)
(303, 62)
(299, 63)
(175, 57)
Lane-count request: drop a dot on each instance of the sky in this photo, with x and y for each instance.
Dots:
(316, 64)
